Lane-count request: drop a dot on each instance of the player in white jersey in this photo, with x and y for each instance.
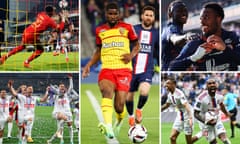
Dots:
(4, 112)
(62, 110)
(183, 121)
(76, 114)
(211, 101)
(26, 108)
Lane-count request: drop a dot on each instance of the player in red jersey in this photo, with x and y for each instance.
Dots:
(32, 32)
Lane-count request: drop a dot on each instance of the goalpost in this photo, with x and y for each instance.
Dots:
(17, 15)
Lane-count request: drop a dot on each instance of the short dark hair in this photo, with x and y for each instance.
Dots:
(174, 4)
(148, 7)
(112, 5)
(216, 7)
(172, 79)
(49, 9)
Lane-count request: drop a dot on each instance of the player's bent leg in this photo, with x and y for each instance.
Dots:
(130, 106)
(188, 139)
(1, 136)
(223, 137)
(119, 121)
(173, 136)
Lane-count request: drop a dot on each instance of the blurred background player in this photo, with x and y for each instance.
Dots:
(143, 63)
(173, 37)
(4, 112)
(13, 107)
(230, 101)
(62, 110)
(211, 101)
(113, 48)
(32, 32)
(76, 119)
(27, 105)
(184, 119)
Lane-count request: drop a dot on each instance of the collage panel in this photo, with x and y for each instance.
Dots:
(204, 107)
(39, 35)
(200, 36)
(39, 108)
(120, 72)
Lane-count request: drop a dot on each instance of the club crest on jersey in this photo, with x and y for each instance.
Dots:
(121, 30)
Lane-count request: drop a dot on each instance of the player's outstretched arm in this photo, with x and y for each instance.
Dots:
(70, 88)
(95, 58)
(223, 109)
(44, 98)
(10, 86)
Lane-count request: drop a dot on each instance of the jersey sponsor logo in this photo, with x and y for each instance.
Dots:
(113, 44)
(62, 102)
(146, 48)
(198, 105)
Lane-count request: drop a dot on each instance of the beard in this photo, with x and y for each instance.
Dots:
(147, 23)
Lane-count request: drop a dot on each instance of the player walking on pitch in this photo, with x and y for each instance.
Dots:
(143, 63)
(184, 119)
(113, 48)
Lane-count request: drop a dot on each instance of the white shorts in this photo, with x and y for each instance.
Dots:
(76, 122)
(3, 121)
(212, 132)
(184, 126)
(69, 116)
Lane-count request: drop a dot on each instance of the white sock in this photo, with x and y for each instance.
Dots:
(199, 135)
(1, 140)
(70, 133)
(10, 126)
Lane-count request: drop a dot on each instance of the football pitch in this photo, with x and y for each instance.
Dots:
(43, 128)
(166, 130)
(46, 62)
(89, 120)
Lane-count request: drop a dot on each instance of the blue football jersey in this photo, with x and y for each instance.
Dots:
(169, 51)
(227, 60)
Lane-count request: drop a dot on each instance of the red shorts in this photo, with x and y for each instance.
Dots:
(120, 77)
(29, 36)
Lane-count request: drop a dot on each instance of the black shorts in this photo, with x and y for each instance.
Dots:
(234, 112)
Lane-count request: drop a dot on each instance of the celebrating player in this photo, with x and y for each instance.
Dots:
(4, 112)
(231, 105)
(32, 32)
(173, 37)
(26, 108)
(113, 47)
(143, 63)
(184, 120)
(62, 110)
(211, 101)
(217, 50)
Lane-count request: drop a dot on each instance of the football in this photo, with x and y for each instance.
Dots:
(137, 133)
(63, 3)
(210, 116)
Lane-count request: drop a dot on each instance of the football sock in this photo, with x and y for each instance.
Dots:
(120, 116)
(70, 133)
(129, 105)
(28, 127)
(141, 101)
(232, 129)
(35, 55)
(237, 125)
(10, 126)
(1, 140)
(107, 110)
(15, 50)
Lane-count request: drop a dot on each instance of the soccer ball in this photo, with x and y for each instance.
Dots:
(63, 3)
(137, 133)
(210, 116)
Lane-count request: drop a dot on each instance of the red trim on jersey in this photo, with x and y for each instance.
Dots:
(114, 36)
(202, 95)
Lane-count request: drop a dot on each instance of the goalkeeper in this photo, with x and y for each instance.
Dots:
(32, 32)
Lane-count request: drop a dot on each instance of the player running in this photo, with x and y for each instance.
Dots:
(143, 63)
(62, 110)
(211, 101)
(32, 32)
(184, 119)
(26, 108)
(4, 112)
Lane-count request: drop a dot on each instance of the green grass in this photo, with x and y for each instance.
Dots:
(46, 62)
(89, 121)
(167, 127)
(43, 128)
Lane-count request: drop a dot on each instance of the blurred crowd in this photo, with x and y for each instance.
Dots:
(129, 11)
(193, 83)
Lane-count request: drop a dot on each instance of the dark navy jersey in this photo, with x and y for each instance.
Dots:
(169, 51)
(227, 60)
(149, 43)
